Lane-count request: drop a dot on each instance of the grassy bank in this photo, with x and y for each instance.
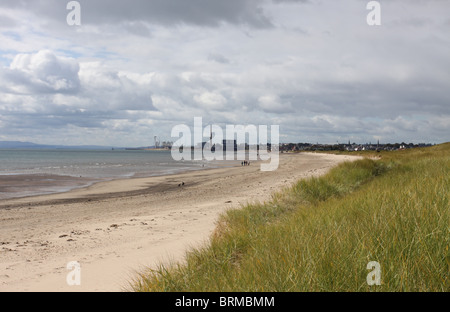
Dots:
(320, 234)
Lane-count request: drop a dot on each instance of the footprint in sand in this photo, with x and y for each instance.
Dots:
(79, 232)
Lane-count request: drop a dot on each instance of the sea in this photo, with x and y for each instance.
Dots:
(26, 172)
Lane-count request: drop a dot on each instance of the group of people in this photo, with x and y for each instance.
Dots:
(245, 163)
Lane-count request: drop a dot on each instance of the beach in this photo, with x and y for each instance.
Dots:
(116, 228)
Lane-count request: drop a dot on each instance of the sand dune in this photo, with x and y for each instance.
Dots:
(114, 228)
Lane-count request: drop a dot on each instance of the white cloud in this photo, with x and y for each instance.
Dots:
(43, 72)
(273, 104)
(211, 100)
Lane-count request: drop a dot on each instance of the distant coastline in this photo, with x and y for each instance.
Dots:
(30, 145)
(283, 147)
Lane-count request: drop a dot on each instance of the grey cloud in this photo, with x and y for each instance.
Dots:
(292, 1)
(219, 58)
(44, 113)
(137, 28)
(166, 12)
(7, 22)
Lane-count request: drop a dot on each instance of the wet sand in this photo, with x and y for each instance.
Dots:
(117, 227)
(21, 185)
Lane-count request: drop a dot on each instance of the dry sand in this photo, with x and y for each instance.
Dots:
(116, 228)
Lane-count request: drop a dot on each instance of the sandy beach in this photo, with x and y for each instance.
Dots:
(115, 228)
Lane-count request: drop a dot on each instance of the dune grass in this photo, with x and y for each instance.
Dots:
(320, 234)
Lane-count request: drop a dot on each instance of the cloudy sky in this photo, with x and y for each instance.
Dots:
(134, 69)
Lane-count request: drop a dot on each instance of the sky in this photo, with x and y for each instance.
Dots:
(135, 69)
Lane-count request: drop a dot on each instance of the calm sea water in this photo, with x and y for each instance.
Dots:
(94, 163)
(35, 172)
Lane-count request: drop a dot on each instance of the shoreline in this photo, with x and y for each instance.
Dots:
(116, 228)
(42, 188)
(24, 185)
(70, 194)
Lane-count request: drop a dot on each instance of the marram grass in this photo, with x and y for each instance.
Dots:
(320, 234)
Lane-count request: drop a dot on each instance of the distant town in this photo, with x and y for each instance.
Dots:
(288, 147)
